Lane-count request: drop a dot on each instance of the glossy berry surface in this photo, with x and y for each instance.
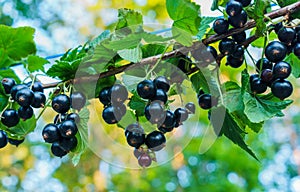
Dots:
(61, 103)
(60, 118)
(244, 3)
(190, 107)
(104, 96)
(161, 82)
(239, 37)
(135, 138)
(238, 52)
(226, 46)
(57, 150)
(235, 62)
(233, 8)
(37, 87)
(262, 64)
(25, 112)
(8, 83)
(24, 97)
(205, 101)
(144, 160)
(68, 128)
(258, 86)
(118, 93)
(238, 21)
(297, 49)
(181, 115)
(68, 144)
(267, 76)
(74, 117)
(155, 113)
(10, 118)
(170, 120)
(220, 26)
(160, 96)
(282, 88)
(277, 27)
(78, 100)
(39, 100)
(282, 70)
(51, 133)
(15, 142)
(110, 115)
(275, 51)
(3, 139)
(155, 140)
(15, 89)
(133, 128)
(146, 89)
(137, 153)
(286, 35)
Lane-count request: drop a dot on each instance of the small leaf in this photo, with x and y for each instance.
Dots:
(204, 25)
(137, 104)
(5, 61)
(206, 80)
(152, 50)
(132, 55)
(129, 19)
(183, 37)
(36, 63)
(95, 42)
(245, 81)
(293, 60)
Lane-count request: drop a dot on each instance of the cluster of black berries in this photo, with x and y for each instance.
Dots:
(4, 139)
(232, 46)
(62, 132)
(27, 96)
(113, 99)
(206, 100)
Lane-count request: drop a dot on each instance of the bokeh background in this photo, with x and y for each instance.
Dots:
(63, 24)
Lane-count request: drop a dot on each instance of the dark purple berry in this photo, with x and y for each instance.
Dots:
(39, 100)
(146, 89)
(136, 138)
(78, 100)
(267, 76)
(68, 128)
(282, 88)
(282, 70)
(60, 118)
(104, 96)
(68, 144)
(190, 107)
(15, 89)
(181, 115)
(206, 101)
(160, 96)
(235, 62)
(61, 103)
(226, 46)
(238, 21)
(170, 120)
(24, 97)
(162, 82)
(262, 64)
(3, 139)
(25, 112)
(275, 51)
(144, 160)
(110, 115)
(118, 93)
(10, 118)
(239, 37)
(51, 133)
(37, 87)
(8, 84)
(15, 142)
(297, 50)
(286, 35)
(233, 8)
(74, 117)
(155, 140)
(258, 86)
(155, 113)
(57, 150)
(220, 26)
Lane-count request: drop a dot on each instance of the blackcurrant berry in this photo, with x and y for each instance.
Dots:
(275, 51)
(136, 138)
(68, 128)
(104, 96)
(15, 89)
(226, 46)
(262, 64)
(155, 113)
(161, 82)
(68, 144)
(78, 100)
(267, 76)
(155, 140)
(25, 112)
(110, 115)
(282, 70)
(205, 55)
(201, 92)
(37, 87)
(206, 101)
(24, 97)
(15, 142)
(74, 117)
(57, 150)
(170, 120)
(297, 50)
(8, 83)
(181, 115)
(277, 27)
(286, 35)
(245, 3)
(282, 88)
(258, 86)
(118, 93)
(146, 89)
(220, 26)
(144, 160)
(254, 77)
(10, 118)
(238, 51)
(120, 110)
(3, 139)
(239, 37)
(39, 100)
(61, 103)
(235, 62)
(160, 96)
(233, 8)
(190, 107)
(137, 153)
(60, 118)
(133, 128)
(238, 21)
(51, 133)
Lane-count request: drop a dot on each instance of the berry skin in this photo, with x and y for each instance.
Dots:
(238, 21)
(262, 64)
(226, 46)
(68, 144)
(8, 83)
(275, 51)
(205, 55)
(110, 115)
(282, 88)
(104, 96)
(146, 89)
(59, 118)
(239, 37)
(39, 100)
(282, 70)
(25, 112)
(286, 35)
(57, 150)
(118, 93)
(155, 140)
(3, 139)
(15, 89)
(233, 8)
(169, 121)
(297, 49)
(254, 77)
(137, 153)
(181, 115)
(120, 110)
(133, 128)
(24, 97)
(201, 92)
(160, 96)
(74, 117)
(205, 101)
(68, 129)
(190, 107)
(258, 86)
(135, 138)
(155, 113)
(37, 87)
(162, 82)
(267, 76)
(235, 62)
(61, 103)
(220, 26)
(144, 160)
(10, 118)
(51, 133)
(277, 27)
(15, 142)
(244, 3)
(78, 100)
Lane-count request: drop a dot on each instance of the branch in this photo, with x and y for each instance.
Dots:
(184, 50)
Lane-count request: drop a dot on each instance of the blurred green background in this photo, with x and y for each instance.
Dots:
(63, 24)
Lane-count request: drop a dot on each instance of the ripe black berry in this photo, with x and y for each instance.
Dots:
(206, 101)
(3, 139)
(226, 46)
(144, 160)
(282, 88)
(15, 142)
(137, 153)
(282, 70)
(238, 21)
(275, 51)
(286, 35)
(239, 37)
(235, 62)
(68, 144)
(190, 107)
(162, 82)
(136, 138)
(267, 76)
(160, 96)
(133, 128)
(61, 103)
(181, 115)
(258, 86)
(51, 133)
(262, 64)
(8, 83)
(254, 77)
(104, 96)
(245, 3)
(220, 26)
(57, 150)
(110, 115)
(277, 27)
(233, 8)
(238, 51)
(24, 97)
(297, 50)
(25, 112)
(68, 128)
(146, 89)
(37, 87)
(118, 93)
(60, 118)
(205, 55)
(170, 120)
(10, 118)
(78, 100)
(74, 117)
(15, 89)
(39, 100)
(155, 113)
(155, 140)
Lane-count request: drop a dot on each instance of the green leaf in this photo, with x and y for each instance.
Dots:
(245, 81)
(17, 43)
(262, 108)
(137, 104)
(3, 101)
(82, 135)
(5, 61)
(236, 96)
(152, 50)
(206, 80)
(22, 128)
(204, 25)
(214, 5)
(36, 63)
(293, 60)
(260, 41)
(242, 119)
(129, 19)
(132, 55)
(131, 81)
(95, 42)
(183, 37)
